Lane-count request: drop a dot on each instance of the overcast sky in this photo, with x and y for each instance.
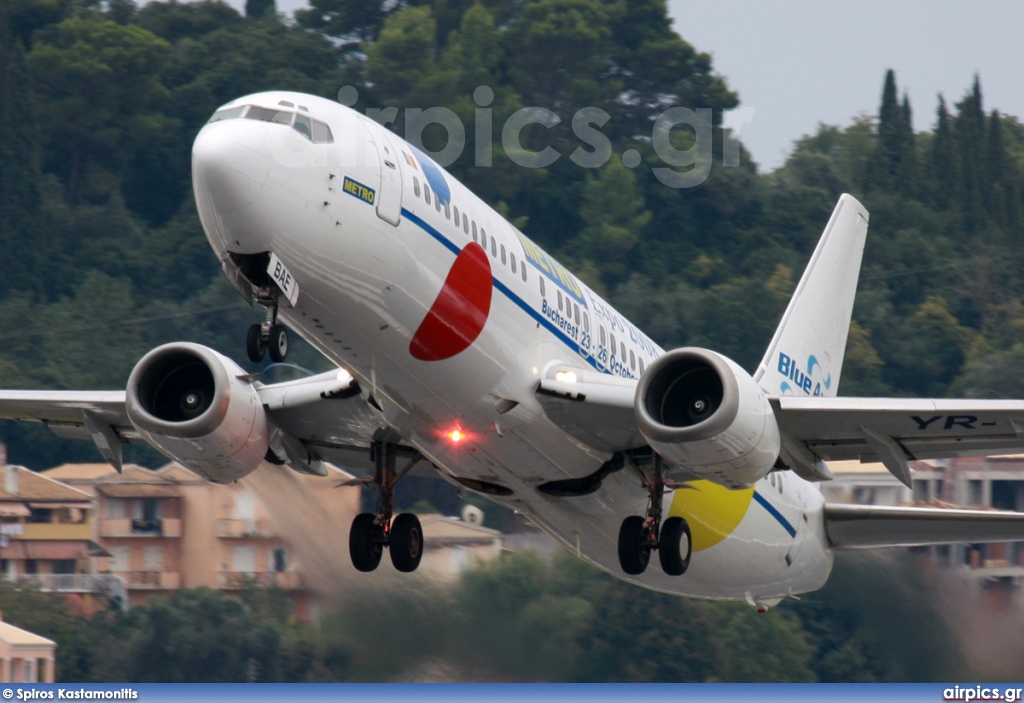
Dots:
(801, 62)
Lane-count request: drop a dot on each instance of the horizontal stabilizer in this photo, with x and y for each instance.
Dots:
(866, 526)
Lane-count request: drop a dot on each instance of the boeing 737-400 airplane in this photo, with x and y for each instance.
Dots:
(463, 348)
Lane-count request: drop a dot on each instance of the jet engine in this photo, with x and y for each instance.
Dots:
(705, 414)
(191, 403)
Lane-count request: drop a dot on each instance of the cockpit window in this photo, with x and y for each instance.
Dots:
(314, 130)
(302, 126)
(267, 115)
(228, 114)
(322, 133)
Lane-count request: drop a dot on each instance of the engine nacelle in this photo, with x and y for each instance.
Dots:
(705, 414)
(189, 402)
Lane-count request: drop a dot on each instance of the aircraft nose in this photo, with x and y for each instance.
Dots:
(230, 161)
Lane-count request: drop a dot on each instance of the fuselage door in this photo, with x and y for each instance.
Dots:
(389, 199)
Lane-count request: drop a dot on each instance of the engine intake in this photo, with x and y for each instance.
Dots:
(701, 411)
(189, 402)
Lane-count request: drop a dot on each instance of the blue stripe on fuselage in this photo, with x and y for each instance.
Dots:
(775, 513)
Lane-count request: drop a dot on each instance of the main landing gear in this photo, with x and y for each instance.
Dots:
(269, 337)
(371, 533)
(639, 536)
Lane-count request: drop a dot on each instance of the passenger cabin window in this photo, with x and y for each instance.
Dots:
(632, 360)
(456, 215)
(641, 366)
(576, 313)
(542, 293)
(613, 344)
(622, 349)
(416, 186)
(586, 322)
(604, 339)
(559, 293)
(465, 224)
(494, 247)
(503, 255)
(474, 231)
(483, 239)
(513, 258)
(426, 194)
(447, 212)
(437, 202)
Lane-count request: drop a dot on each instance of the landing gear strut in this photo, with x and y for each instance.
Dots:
(371, 533)
(268, 337)
(639, 536)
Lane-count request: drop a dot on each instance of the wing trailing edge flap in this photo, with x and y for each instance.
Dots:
(868, 526)
(595, 408)
(895, 431)
(324, 418)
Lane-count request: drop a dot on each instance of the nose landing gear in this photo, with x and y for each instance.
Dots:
(268, 337)
(371, 533)
(639, 536)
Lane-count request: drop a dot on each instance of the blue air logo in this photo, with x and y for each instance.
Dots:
(789, 368)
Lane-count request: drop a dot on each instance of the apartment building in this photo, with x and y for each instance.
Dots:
(46, 534)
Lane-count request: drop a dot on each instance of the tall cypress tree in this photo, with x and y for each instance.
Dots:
(943, 161)
(970, 138)
(892, 167)
(20, 240)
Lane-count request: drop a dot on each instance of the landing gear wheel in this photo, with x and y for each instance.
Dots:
(364, 543)
(634, 546)
(406, 542)
(255, 345)
(674, 546)
(277, 345)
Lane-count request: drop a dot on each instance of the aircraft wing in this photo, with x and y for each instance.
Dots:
(867, 526)
(322, 417)
(593, 407)
(895, 430)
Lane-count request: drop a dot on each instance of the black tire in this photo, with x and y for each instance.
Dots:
(406, 542)
(675, 546)
(277, 345)
(363, 544)
(634, 550)
(255, 347)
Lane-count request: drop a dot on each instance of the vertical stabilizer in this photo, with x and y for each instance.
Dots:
(805, 356)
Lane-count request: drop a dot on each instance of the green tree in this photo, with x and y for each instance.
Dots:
(201, 636)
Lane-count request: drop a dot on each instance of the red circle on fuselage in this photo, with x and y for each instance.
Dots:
(460, 311)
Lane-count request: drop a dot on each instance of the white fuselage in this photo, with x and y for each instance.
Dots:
(366, 286)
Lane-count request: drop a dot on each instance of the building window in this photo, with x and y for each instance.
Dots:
(279, 560)
(154, 558)
(41, 515)
(115, 509)
(120, 558)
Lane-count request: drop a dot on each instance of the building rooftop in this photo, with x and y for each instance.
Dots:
(82, 472)
(25, 484)
(17, 637)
